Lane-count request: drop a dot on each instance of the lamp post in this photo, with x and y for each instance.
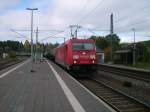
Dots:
(111, 33)
(134, 47)
(32, 9)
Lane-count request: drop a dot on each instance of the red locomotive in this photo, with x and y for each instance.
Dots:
(75, 54)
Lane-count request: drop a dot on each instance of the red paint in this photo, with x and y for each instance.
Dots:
(64, 54)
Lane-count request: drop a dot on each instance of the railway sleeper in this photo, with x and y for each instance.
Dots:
(99, 89)
(108, 93)
(122, 103)
(135, 110)
(129, 106)
(115, 98)
(102, 90)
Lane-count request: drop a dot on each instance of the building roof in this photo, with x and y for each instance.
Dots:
(123, 51)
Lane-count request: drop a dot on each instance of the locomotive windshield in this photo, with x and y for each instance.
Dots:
(83, 46)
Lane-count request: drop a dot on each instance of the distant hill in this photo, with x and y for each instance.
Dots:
(143, 43)
(146, 43)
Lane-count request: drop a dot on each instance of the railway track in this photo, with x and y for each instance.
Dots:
(9, 63)
(119, 101)
(130, 73)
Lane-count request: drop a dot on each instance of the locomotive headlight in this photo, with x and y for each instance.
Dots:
(74, 62)
(75, 56)
(92, 57)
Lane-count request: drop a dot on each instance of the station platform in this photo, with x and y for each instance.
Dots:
(126, 67)
(48, 89)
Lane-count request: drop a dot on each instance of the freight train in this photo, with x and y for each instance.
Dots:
(76, 54)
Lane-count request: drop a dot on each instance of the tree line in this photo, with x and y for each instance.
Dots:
(107, 42)
(7, 46)
(104, 42)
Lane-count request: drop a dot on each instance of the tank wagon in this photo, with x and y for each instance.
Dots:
(77, 54)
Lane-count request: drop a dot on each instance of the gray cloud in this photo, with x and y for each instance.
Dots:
(59, 14)
(5, 4)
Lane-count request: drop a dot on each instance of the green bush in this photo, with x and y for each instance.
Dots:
(12, 55)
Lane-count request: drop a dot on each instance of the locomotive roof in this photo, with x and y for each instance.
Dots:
(79, 40)
(76, 40)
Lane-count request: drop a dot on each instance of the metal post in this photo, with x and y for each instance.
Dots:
(134, 47)
(37, 31)
(111, 33)
(71, 26)
(78, 27)
(64, 39)
(76, 33)
(36, 45)
(32, 36)
(76, 30)
(71, 31)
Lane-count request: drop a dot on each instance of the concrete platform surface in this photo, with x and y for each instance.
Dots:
(48, 89)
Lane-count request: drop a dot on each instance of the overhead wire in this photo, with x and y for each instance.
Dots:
(81, 10)
(52, 35)
(85, 17)
(139, 10)
(126, 17)
(116, 20)
(131, 25)
(21, 36)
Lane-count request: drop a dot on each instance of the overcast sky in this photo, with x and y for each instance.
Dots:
(90, 14)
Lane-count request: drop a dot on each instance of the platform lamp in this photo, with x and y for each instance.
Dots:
(134, 47)
(32, 9)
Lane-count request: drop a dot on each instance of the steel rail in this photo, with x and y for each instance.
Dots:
(106, 93)
(130, 73)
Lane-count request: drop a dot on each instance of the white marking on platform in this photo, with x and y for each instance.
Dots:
(97, 98)
(72, 99)
(13, 69)
(101, 101)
